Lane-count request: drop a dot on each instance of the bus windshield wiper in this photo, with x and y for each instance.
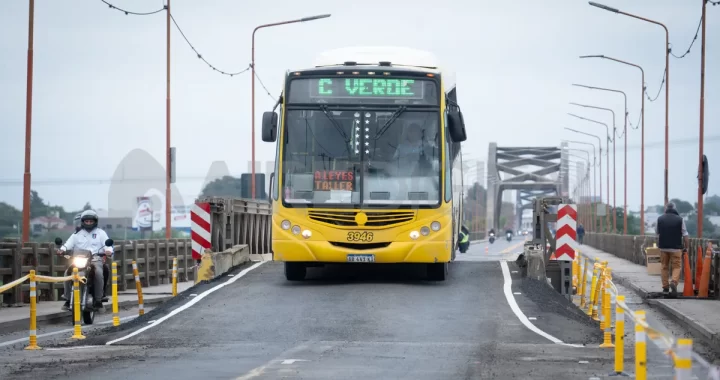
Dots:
(330, 117)
(391, 120)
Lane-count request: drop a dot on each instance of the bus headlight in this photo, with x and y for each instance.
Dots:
(295, 230)
(414, 235)
(425, 231)
(435, 226)
(306, 234)
(285, 225)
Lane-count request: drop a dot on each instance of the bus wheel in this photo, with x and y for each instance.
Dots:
(295, 271)
(437, 271)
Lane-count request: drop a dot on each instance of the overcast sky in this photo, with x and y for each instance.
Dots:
(99, 87)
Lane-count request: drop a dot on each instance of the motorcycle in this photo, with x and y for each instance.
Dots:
(492, 238)
(509, 236)
(83, 261)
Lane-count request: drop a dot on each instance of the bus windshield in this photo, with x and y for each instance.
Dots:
(361, 157)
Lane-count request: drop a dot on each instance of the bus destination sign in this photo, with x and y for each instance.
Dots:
(384, 88)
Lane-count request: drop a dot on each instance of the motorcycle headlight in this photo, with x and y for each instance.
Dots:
(492, 234)
(80, 262)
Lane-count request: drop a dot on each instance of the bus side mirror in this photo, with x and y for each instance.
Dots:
(456, 126)
(269, 126)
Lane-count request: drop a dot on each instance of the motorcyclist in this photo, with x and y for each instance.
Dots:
(492, 231)
(509, 231)
(90, 238)
(106, 267)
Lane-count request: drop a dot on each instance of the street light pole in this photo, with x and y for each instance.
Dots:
(168, 163)
(614, 159)
(599, 147)
(607, 129)
(667, 80)
(608, 166)
(27, 182)
(594, 165)
(642, 137)
(252, 67)
(702, 123)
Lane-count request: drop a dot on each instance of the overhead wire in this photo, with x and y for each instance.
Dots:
(697, 32)
(200, 56)
(662, 83)
(111, 6)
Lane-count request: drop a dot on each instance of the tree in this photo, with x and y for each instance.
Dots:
(682, 207)
(633, 222)
(474, 207)
(226, 186)
(691, 225)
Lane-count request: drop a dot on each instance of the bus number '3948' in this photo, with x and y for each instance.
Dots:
(360, 236)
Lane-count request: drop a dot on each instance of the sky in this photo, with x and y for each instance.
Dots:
(100, 82)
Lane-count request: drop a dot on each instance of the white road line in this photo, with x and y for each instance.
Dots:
(507, 289)
(189, 304)
(22, 340)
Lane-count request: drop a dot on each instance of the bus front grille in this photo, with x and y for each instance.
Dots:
(374, 218)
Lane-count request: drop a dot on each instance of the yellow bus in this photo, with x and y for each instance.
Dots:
(368, 148)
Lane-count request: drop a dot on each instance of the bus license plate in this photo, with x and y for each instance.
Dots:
(351, 258)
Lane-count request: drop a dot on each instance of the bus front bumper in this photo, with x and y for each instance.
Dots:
(396, 252)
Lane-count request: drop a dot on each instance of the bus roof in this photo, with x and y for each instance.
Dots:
(404, 57)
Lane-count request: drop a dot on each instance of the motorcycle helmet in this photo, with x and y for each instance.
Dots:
(91, 216)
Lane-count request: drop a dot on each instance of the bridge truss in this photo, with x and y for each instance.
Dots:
(531, 171)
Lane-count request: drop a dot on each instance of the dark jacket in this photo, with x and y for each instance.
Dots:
(581, 230)
(670, 230)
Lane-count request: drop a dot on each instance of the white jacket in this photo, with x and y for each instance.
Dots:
(91, 241)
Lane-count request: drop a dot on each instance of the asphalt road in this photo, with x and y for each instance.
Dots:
(346, 322)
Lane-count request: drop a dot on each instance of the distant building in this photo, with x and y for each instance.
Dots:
(47, 223)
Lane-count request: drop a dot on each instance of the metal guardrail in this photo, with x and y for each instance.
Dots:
(632, 248)
(235, 221)
(238, 221)
(153, 257)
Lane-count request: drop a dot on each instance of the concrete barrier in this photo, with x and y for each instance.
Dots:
(216, 264)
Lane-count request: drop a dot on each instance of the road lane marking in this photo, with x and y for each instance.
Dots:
(507, 289)
(189, 304)
(261, 370)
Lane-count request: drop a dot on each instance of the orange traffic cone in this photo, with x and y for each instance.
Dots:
(698, 267)
(487, 249)
(687, 273)
(705, 277)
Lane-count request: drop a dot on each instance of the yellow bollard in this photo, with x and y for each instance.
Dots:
(32, 344)
(174, 277)
(583, 281)
(115, 301)
(640, 348)
(593, 285)
(619, 337)
(138, 286)
(77, 332)
(683, 360)
(606, 312)
(598, 291)
(575, 274)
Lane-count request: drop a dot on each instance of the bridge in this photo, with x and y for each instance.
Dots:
(531, 171)
(216, 304)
